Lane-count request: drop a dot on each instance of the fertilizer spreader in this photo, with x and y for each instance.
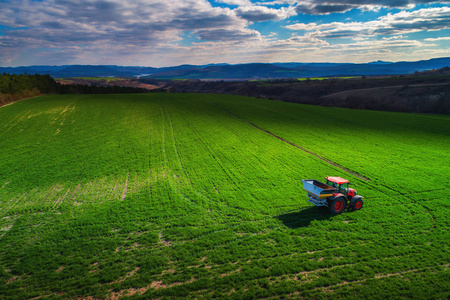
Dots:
(335, 194)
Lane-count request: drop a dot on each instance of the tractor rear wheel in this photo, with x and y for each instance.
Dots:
(337, 205)
(357, 204)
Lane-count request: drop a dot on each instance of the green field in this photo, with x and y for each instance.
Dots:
(193, 195)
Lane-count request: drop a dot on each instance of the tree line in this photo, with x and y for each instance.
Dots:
(18, 84)
(15, 87)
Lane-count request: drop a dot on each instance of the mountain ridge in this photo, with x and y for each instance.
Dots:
(236, 71)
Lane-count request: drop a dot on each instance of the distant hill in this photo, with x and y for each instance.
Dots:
(239, 71)
(436, 72)
(421, 92)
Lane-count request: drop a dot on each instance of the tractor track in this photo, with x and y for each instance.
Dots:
(294, 145)
(124, 193)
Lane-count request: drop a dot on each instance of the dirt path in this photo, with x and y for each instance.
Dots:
(294, 145)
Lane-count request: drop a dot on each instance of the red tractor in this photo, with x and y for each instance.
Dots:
(335, 194)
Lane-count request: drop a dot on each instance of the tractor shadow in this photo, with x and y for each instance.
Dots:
(304, 217)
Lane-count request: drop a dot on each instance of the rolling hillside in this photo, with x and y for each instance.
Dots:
(200, 196)
(238, 71)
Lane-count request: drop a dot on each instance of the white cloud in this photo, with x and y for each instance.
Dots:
(235, 2)
(302, 26)
(392, 24)
(277, 2)
(263, 13)
(315, 26)
(446, 38)
(306, 41)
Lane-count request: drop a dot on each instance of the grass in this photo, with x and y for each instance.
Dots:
(179, 195)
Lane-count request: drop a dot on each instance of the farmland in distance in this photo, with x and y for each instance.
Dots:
(200, 196)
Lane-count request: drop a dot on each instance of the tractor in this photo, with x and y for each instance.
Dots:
(335, 194)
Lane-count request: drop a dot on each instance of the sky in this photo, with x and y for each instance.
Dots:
(160, 33)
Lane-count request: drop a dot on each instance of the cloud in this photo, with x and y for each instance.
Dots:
(117, 15)
(380, 45)
(276, 2)
(228, 35)
(446, 38)
(262, 13)
(314, 26)
(392, 24)
(111, 26)
(323, 7)
(235, 2)
(153, 32)
(306, 41)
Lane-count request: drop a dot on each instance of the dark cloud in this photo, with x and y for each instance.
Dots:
(54, 25)
(255, 16)
(189, 21)
(105, 5)
(339, 34)
(260, 13)
(388, 3)
(321, 7)
(226, 35)
(89, 11)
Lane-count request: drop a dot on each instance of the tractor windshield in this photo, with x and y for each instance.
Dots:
(343, 188)
(333, 184)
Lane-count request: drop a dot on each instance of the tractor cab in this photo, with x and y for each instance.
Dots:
(341, 186)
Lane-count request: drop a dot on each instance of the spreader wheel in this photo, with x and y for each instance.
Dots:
(337, 206)
(357, 204)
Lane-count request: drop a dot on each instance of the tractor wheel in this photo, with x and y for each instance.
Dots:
(337, 205)
(357, 204)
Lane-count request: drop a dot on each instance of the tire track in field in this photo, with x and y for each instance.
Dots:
(377, 276)
(188, 179)
(175, 146)
(292, 144)
(172, 184)
(124, 193)
(402, 203)
(186, 176)
(149, 159)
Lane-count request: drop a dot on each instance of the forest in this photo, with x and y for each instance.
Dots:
(17, 87)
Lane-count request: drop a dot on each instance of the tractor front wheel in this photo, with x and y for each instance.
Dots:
(357, 204)
(337, 206)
